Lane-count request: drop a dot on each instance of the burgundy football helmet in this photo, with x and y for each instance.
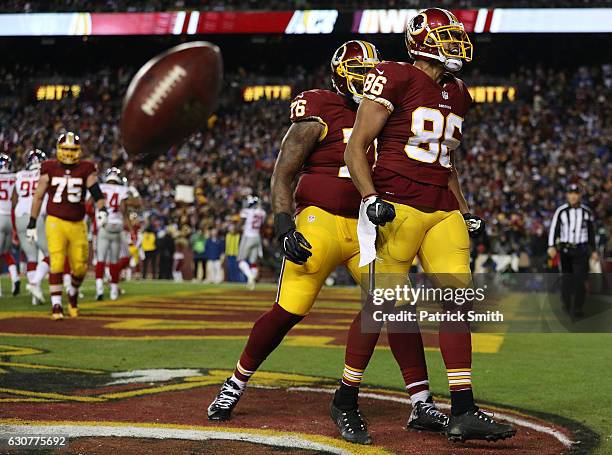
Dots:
(349, 65)
(435, 34)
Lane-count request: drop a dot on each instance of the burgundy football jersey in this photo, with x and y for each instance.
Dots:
(423, 129)
(67, 188)
(324, 180)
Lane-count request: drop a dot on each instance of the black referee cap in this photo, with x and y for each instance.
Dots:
(573, 188)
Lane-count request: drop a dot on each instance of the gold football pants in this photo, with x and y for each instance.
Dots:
(439, 238)
(67, 238)
(334, 242)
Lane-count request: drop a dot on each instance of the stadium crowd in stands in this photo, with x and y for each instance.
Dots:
(516, 158)
(34, 6)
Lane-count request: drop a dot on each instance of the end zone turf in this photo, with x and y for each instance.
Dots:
(170, 405)
(155, 361)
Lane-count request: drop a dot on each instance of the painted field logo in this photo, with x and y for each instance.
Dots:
(106, 410)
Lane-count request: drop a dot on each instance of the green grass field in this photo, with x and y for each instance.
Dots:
(562, 374)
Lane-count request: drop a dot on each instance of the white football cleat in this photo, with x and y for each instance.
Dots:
(37, 293)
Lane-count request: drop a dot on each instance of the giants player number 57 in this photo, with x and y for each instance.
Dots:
(7, 182)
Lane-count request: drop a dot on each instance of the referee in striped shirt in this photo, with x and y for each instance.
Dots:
(573, 234)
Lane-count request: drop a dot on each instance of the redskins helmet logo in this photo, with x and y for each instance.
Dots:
(417, 24)
(337, 58)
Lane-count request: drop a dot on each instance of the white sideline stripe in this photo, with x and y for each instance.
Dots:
(563, 439)
(75, 431)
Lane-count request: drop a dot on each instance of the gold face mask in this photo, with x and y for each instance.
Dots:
(355, 70)
(68, 149)
(452, 41)
(68, 155)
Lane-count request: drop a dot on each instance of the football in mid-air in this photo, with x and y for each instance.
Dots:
(171, 97)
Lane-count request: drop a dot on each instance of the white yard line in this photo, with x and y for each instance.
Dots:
(158, 432)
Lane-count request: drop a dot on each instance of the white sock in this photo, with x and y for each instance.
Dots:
(13, 272)
(115, 288)
(239, 383)
(255, 272)
(41, 271)
(56, 300)
(67, 281)
(72, 290)
(99, 286)
(128, 273)
(423, 395)
(245, 268)
(31, 277)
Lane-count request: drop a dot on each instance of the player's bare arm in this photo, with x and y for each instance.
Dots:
(14, 197)
(96, 193)
(298, 143)
(371, 118)
(455, 187)
(39, 195)
(475, 225)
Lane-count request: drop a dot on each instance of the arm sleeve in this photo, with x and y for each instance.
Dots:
(310, 106)
(383, 85)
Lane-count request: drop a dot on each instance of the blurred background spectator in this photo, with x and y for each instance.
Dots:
(516, 156)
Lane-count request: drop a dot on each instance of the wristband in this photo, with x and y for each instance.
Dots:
(283, 223)
(367, 196)
(96, 192)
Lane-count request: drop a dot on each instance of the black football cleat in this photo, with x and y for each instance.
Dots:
(222, 406)
(426, 417)
(16, 287)
(351, 425)
(476, 424)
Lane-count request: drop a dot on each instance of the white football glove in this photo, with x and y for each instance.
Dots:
(101, 217)
(32, 235)
(31, 232)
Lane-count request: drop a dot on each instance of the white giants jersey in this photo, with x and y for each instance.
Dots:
(253, 221)
(7, 183)
(25, 186)
(114, 195)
